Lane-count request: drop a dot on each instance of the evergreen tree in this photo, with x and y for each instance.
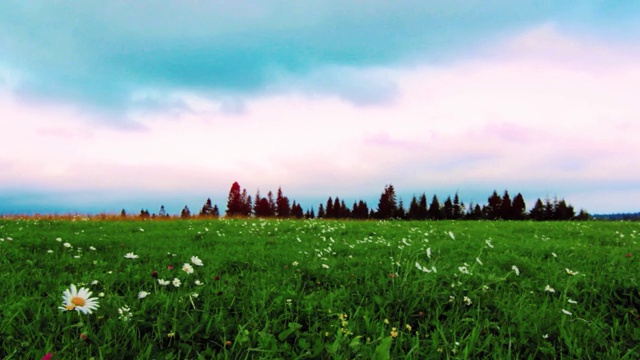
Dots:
(583, 215)
(518, 208)
(423, 213)
(272, 204)
(321, 212)
(337, 209)
(387, 206)
(207, 209)
(400, 212)
(458, 208)
(506, 210)
(538, 211)
(329, 212)
(185, 213)
(434, 209)
(236, 201)
(549, 209)
(493, 209)
(283, 209)
(414, 209)
(215, 212)
(448, 208)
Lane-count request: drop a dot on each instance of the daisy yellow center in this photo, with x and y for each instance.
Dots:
(77, 301)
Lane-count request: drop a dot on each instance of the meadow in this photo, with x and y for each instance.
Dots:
(319, 289)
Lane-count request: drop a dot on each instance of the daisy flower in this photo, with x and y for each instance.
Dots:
(571, 272)
(176, 282)
(187, 268)
(163, 282)
(67, 245)
(142, 294)
(198, 282)
(325, 266)
(79, 300)
(196, 261)
(516, 270)
(131, 256)
(549, 289)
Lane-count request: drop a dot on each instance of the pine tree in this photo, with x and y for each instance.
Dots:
(495, 202)
(414, 209)
(283, 209)
(423, 213)
(329, 212)
(538, 211)
(448, 208)
(458, 208)
(321, 213)
(518, 208)
(185, 213)
(235, 202)
(434, 209)
(272, 204)
(506, 210)
(387, 205)
(207, 209)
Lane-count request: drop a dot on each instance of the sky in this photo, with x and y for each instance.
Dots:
(106, 105)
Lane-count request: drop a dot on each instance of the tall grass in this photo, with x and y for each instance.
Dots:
(321, 289)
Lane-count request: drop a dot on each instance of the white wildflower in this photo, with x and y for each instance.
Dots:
(516, 270)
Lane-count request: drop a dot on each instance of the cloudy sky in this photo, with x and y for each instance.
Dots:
(118, 104)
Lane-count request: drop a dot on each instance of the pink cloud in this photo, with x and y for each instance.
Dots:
(523, 113)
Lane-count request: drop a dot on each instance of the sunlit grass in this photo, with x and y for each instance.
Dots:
(320, 289)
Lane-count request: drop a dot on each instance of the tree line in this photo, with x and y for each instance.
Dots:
(241, 204)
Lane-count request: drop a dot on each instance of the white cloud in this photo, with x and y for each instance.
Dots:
(521, 115)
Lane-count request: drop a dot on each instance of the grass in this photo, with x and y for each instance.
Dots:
(322, 289)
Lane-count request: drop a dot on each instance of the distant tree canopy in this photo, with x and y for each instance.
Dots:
(240, 204)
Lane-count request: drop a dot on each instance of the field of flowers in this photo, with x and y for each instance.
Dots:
(269, 289)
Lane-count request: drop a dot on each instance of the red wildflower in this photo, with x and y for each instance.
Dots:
(154, 274)
(628, 255)
(216, 278)
(47, 356)
(170, 267)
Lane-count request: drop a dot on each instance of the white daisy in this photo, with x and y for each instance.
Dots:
(198, 282)
(176, 282)
(67, 245)
(516, 270)
(163, 282)
(131, 256)
(142, 294)
(549, 289)
(196, 261)
(187, 268)
(325, 266)
(79, 300)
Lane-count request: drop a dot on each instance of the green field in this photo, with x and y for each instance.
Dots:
(321, 289)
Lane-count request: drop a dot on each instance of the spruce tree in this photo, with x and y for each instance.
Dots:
(434, 209)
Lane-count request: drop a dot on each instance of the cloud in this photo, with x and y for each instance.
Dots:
(101, 55)
(523, 119)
